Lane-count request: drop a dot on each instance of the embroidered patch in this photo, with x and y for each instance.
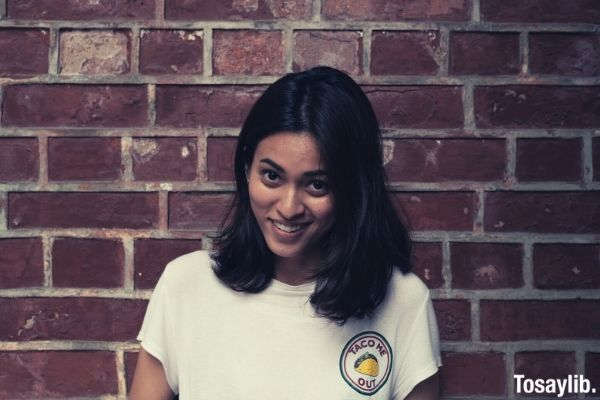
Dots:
(366, 362)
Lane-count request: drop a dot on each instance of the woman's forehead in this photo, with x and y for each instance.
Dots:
(290, 149)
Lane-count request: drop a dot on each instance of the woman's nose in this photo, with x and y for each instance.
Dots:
(291, 204)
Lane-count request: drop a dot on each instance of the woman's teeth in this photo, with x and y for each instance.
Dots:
(287, 228)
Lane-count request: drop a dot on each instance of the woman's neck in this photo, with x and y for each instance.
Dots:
(294, 271)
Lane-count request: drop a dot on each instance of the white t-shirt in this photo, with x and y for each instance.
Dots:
(218, 344)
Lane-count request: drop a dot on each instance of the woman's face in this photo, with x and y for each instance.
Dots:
(289, 195)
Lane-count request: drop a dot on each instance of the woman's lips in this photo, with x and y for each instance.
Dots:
(288, 231)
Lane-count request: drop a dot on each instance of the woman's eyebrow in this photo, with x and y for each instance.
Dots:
(279, 168)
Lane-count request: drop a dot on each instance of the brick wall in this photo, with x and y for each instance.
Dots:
(117, 125)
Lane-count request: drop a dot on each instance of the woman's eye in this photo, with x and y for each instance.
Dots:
(270, 176)
(319, 186)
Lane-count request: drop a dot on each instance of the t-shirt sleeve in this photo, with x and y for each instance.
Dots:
(156, 333)
(421, 357)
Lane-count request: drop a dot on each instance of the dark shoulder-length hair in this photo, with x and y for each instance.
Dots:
(367, 239)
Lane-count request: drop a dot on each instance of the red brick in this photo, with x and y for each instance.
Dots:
(540, 11)
(87, 263)
(473, 374)
(544, 212)
(246, 52)
(530, 106)
(19, 159)
(130, 364)
(82, 210)
(486, 265)
(171, 51)
(596, 157)
(431, 160)
(21, 263)
(446, 211)
(174, 159)
(57, 374)
(566, 266)
(545, 364)
(513, 320)
(194, 106)
(24, 51)
(338, 49)
(152, 255)
(189, 210)
(417, 106)
(80, 10)
(483, 53)
(405, 53)
(79, 105)
(238, 9)
(453, 318)
(564, 53)
(70, 318)
(84, 158)
(220, 153)
(94, 52)
(391, 10)
(427, 263)
(548, 159)
(592, 370)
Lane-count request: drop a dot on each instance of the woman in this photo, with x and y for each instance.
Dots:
(308, 295)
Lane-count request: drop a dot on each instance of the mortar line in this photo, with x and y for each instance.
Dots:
(3, 211)
(478, 219)
(475, 11)
(475, 331)
(163, 210)
(128, 263)
(53, 53)
(367, 44)
(287, 37)
(151, 105)
(446, 267)
(511, 160)
(127, 158)
(207, 48)
(159, 10)
(524, 52)
(587, 167)
(121, 376)
(47, 244)
(3, 9)
(580, 367)
(510, 367)
(445, 51)
(468, 108)
(134, 67)
(1, 104)
(528, 276)
(43, 162)
(202, 165)
(317, 8)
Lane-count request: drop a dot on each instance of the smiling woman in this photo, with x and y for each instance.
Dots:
(308, 293)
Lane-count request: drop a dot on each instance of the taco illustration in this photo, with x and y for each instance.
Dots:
(367, 365)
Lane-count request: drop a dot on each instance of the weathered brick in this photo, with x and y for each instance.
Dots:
(566, 266)
(57, 374)
(174, 159)
(189, 210)
(405, 53)
(592, 370)
(417, 106)
(84, 158)
(171, 51)
(152, 255)
(338, 49)
(92, 52)
(220, 153)
(545, 212)
(238, 9)
(24, 51)
(447, 211)
(427, 263)
(486, 265)
(21, 263)
(391, 10)
(87, 263)
(431, 160)
(484, 53)
(194, 106)
(453, 318)
(473, 374)
(513, 320)
(18, 159)
(549, 159)
(75, 105)
(540, 11)
(130, 364)
(247, 52)
(564, 53)
(531, 106)
(82, 210)
(596, 157)
(544, 364)
(70, 318)
(80, 10)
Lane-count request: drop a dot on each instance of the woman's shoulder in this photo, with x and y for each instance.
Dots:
(408, 289)
(187, 269)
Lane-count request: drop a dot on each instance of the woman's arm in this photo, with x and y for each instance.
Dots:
(149, 380)
(429, 389)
